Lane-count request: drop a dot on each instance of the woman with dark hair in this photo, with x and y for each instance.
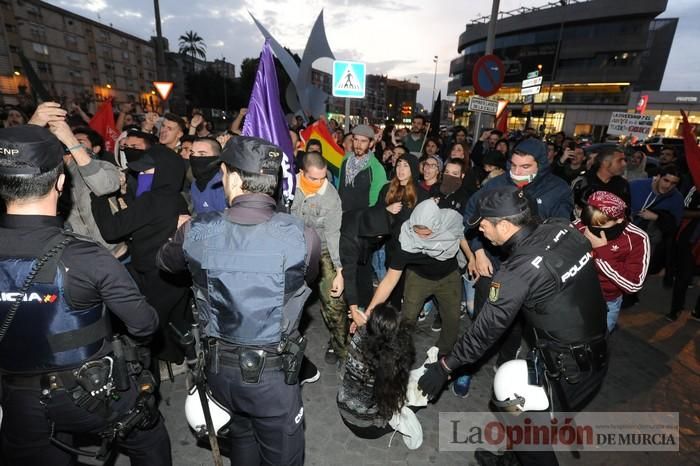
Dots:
(431, 147)
(503, 147)
(376, 374)
(399, 197)
(459, 150)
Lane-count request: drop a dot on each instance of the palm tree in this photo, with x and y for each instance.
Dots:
(192, 44)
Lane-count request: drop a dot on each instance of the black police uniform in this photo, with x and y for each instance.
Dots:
(61, 326)
(248, 267)
(550, 275)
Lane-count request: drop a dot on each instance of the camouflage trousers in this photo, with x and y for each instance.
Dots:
(333, 310)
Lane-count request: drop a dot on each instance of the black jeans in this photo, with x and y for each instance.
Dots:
(268, 417)
(26, 429)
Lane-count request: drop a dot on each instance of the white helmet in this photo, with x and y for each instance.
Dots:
(195, 414)
(511, 388)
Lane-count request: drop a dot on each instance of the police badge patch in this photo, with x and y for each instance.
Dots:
(493, 291)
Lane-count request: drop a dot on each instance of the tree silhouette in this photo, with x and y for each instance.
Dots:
(193, 45)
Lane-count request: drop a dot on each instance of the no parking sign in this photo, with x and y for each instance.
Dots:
(488, 75)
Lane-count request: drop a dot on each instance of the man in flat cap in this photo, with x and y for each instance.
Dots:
(361, 174)
(250, 267)
(62, 371)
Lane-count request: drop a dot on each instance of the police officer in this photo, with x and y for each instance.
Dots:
(550, 275)
(63, 373)
(248, 268)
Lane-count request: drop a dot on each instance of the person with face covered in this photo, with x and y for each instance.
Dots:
(149, 216)
(620, 249)
(207, 191)
(430, 249)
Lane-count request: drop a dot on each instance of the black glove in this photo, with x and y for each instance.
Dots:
(434, 378)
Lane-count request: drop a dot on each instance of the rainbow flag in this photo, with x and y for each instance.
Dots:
(332, 152)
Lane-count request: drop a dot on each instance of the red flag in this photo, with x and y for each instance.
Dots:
(502, 122)
(103, 123)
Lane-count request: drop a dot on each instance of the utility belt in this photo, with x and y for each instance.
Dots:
(573, 362)
(251, 361)
(95, 385)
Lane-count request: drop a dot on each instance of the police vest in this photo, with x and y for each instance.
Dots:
(576, 311)
(248, 280)
(46, 333)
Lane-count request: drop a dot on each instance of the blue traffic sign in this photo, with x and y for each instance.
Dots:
(349, 79)
(488, 75)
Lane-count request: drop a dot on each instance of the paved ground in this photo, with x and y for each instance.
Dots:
(655, 366)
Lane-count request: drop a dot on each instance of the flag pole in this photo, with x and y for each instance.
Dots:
(425, 138)
(347, 115)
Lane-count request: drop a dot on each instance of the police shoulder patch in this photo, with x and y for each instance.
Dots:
(493, 291)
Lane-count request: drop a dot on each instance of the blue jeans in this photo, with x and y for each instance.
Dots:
(379, 263)
(613, 312)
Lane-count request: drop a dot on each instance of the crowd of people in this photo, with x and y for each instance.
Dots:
(414, 224)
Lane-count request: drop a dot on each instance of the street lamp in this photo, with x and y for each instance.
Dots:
(435, 60)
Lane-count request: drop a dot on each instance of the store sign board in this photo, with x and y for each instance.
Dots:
(630, 124)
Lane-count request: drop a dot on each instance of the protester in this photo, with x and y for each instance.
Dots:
(620, 249)
(361, 174)
(605, 175)
(431, 170)
(657, 208)
(171, 130)
(413, 141)
(494, 166)
(430, 245)
(317, 202)
(84, 174)
(148, 220)
(571, 164)
(374, 385)
(206, 191)
(636, 166)
(398, 198)
(486, 142)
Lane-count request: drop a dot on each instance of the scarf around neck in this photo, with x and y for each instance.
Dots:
(354, 166)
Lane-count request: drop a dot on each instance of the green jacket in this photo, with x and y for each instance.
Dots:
(366, 187)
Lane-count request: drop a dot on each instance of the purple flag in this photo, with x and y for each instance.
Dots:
(266, 120)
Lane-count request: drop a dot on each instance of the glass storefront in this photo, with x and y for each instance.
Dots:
(667, 123)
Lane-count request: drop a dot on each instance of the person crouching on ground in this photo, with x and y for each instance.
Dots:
(376, 373)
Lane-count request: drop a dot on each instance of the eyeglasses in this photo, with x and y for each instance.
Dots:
(430, 165)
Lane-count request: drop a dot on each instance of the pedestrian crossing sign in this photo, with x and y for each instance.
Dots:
(349, 79)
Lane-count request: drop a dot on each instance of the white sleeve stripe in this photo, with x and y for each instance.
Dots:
(619, 279)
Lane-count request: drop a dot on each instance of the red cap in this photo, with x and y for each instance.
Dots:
(608, 203)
